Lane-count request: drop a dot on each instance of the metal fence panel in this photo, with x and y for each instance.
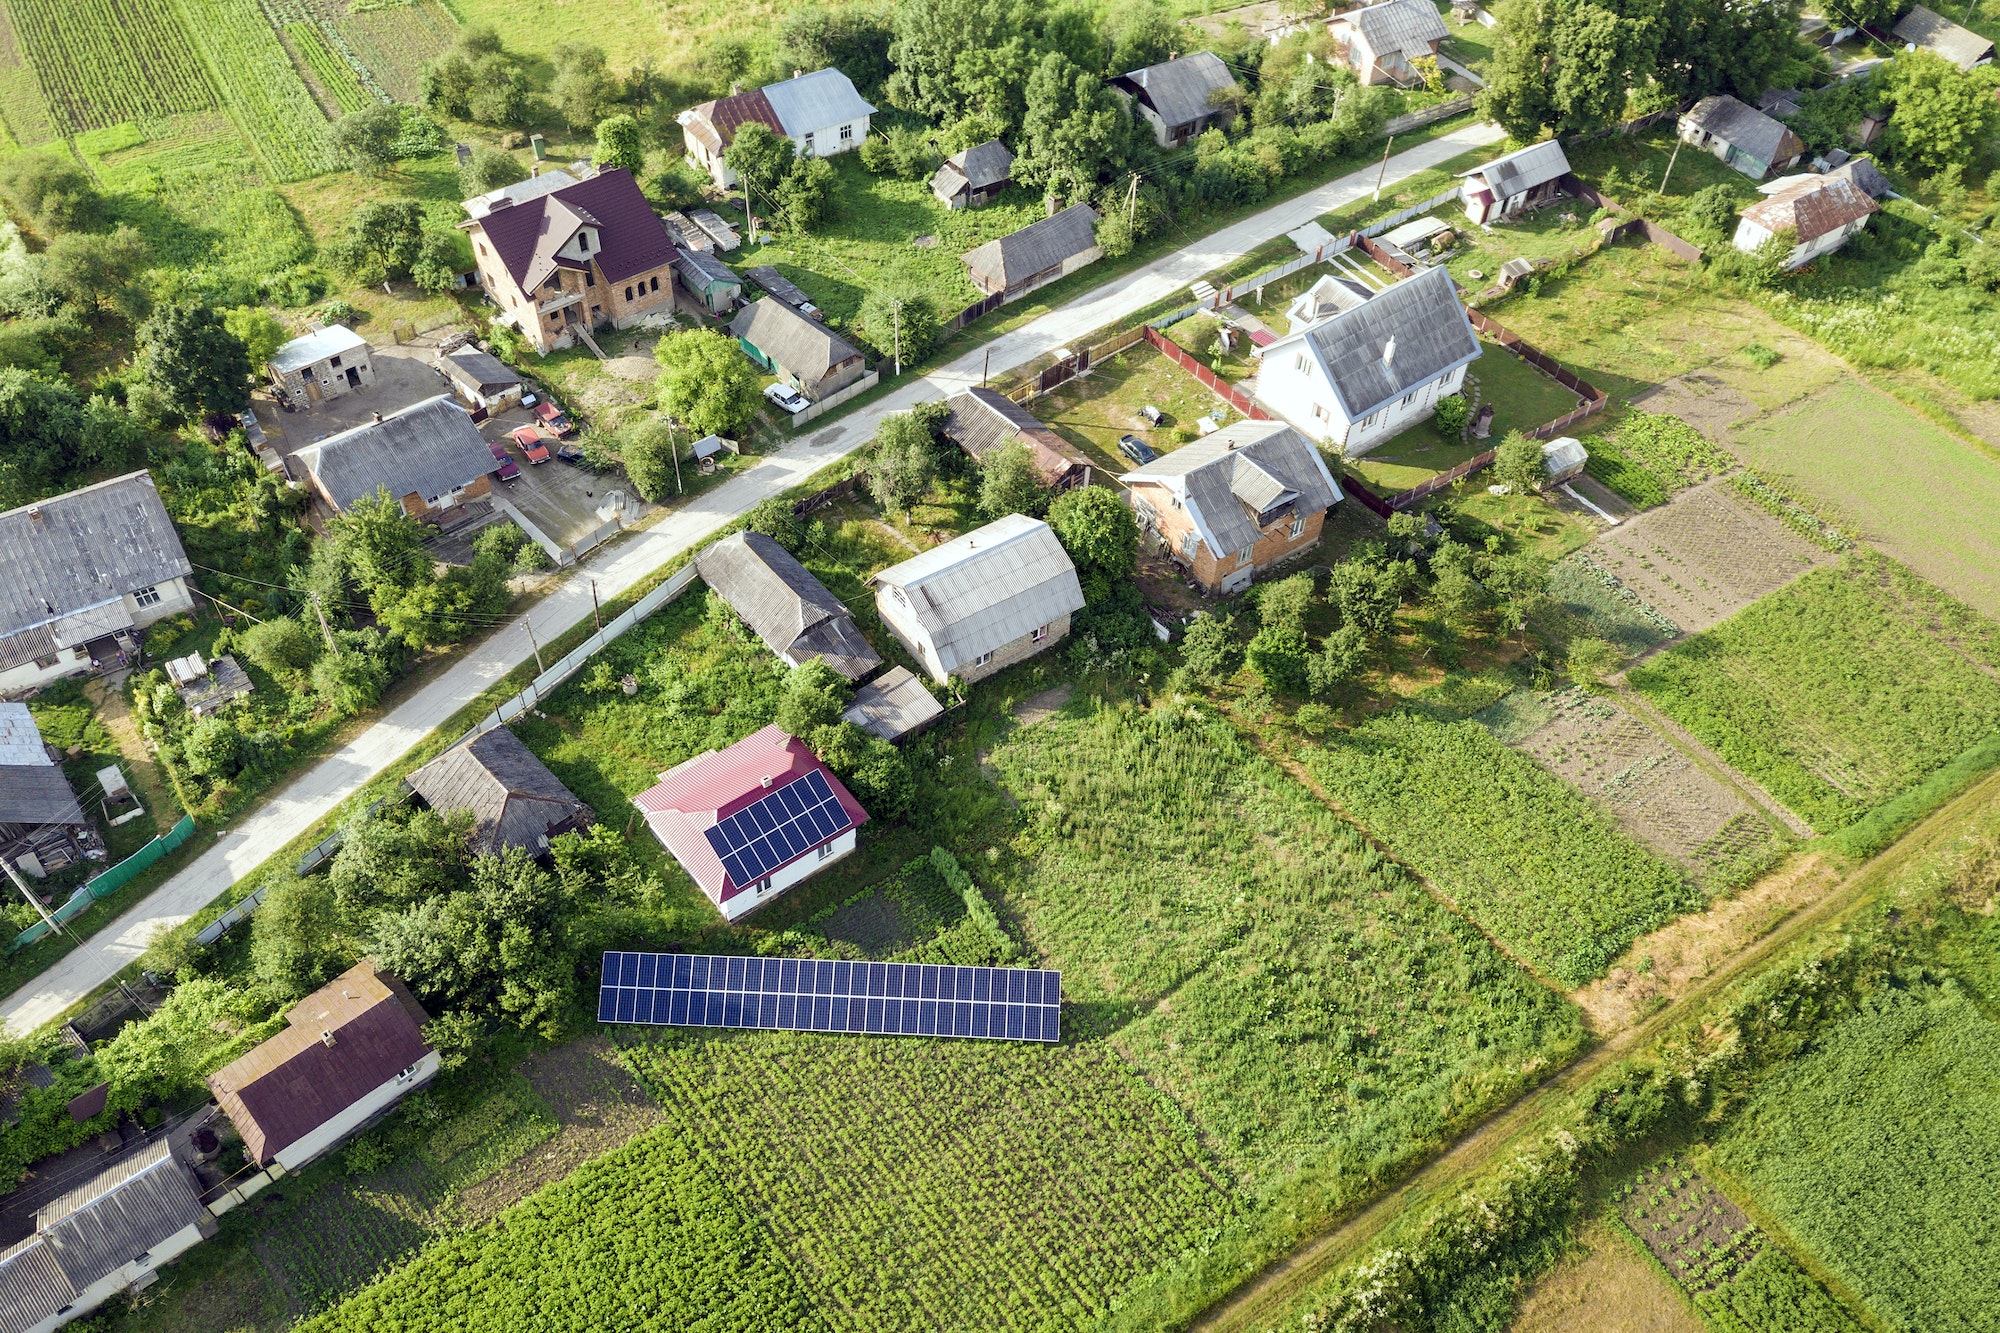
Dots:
(112, 880)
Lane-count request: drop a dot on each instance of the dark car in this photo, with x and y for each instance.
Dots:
(508, 468)
(572, 454)
(1136, 449)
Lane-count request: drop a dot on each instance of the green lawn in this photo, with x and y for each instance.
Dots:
(1541, 234)
(1522, 398)
(1091, 412)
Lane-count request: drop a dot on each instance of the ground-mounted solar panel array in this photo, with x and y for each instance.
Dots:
(827, 995)
(793, 819)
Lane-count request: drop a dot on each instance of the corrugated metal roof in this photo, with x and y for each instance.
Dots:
(1035, 248)
(292, 1084)
(780, 286)
(515, 801)
(95, 1230)
(1523, 169)
(796, 342)
(701, 270)
(986, 589)
(817, 101)
(1396, 341)
(479, 371)
(1812, 207)
(985, 420)
(985, 165)
(83, 549)
(1745, 128)
(429, 449)
(37, 794)
(784, 605)
(1862, 171)
(715, 123)
(1405, 27)
(32, 1285)
(1931, 31)
(893, 706)
(1179, 91)
(21, 739)
(1243, 478)
(333, 340)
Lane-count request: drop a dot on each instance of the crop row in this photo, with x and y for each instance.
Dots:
(333, 73)
(1521, 851)
(101, 62)
(1838, 692)
(261, 89)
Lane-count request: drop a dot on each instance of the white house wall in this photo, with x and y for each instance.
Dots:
(786, 876)
(102, 1290)
(1304, 397)
(1400, 415)
(827, 141)
(174, 598)
(295, 1155)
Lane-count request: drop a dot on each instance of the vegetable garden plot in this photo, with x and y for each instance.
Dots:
(1519, 850)
(1651, 788)
(261, 89)
(392, 42)
(1587, 602)
(1703, 555)
(21, 103)
(1838, 692)
(1879, 1150)
(100, 62)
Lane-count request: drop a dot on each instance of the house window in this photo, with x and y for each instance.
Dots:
(825, 850)
(1041, 632)
(1320, 412)
(1298, 528)
(982, 659)
(1299, 361)
(763, 887)
(1243, 556)
(846, 133)
(809, 141)
(1188, 544)
(628, 293)
(589, 278)
(1408, 398)
(146, 596)
(655, 285)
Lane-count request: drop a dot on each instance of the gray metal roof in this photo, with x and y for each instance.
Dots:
(983, 420)
(1035, 248)
(1523, 169)
(985, 165)
(1328, 296)
(479, 371)
(1396, 341)
(37, 794)
(515, 801)
(1931, 31)
(1179, 91)
(1407, 27)
(784, 605)
(32, 1285)
(20, 739)
(893, 706)
(1241, 479)
(796, 342)
(76, 553)
(701, 270)
(430, 449)
(98, 1228)
(778, 285)
(1744, 128)
(1862, 171)
(315, 347)
(817, 101)
(986, 589)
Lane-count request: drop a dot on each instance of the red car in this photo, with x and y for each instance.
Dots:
(508, 468)
(552, 416)
(531, 442)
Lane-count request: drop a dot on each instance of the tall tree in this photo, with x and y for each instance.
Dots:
(706, 382)
(193, 362)
(619, 144)
(259, 331)
(930, 37)
(1074, 130)
(1142, 33)
(99, 272)
(366, 139)
(905, 460)
(1939, 117)
(853, 39)
(583, 88)
(1009, 484)
(761, 160)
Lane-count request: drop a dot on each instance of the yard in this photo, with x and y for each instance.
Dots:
(1555, 233)
(1094, 410)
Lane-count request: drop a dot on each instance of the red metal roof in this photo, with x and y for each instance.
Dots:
(699, 794)
(631, 237)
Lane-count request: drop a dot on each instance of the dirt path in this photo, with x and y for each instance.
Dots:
(1266, 1300)
(148, 784)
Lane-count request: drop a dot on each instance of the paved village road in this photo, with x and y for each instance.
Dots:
(316, 792)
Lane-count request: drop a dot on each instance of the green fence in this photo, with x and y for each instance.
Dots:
(112, 880)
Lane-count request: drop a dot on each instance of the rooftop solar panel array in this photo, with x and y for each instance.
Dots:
(789, 822)
(825, 995)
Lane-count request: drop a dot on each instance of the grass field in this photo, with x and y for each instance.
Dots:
(1839, 691)
(1880, 1151)
(1924, 497)
(1521, 851)
(1093, 411)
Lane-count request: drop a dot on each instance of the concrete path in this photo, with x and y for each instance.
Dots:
(315, 793)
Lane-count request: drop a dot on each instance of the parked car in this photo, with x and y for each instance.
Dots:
(552, 417)
(1136, 449)
(782, 395)
(571, 454)
(531, 442)
(508, 469)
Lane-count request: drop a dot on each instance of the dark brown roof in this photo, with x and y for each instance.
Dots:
(292, 1084)
(631, 237)
(727, 114)
(983, 421)
(515, 801)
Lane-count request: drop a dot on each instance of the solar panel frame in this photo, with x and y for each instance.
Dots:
(778, 828)
(831, 995)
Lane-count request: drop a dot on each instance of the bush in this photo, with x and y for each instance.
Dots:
(1279, 655)
(1210, 649)
(279, 646)
(1518, 464)
(775, 519)
(214, 748)
(1451, 414)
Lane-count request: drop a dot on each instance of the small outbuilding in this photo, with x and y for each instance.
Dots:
(1526, 178)
(1819, 213)
(800, 350)
(985, 421)
(969, 179)
(481, 380)
(784, 605)
(893, 706)
(981, 602)
(1927, 30)
(209, 687)
(326, 363)
(1740, 136)
(513, 798)
(1036, 255)
(707, 279)
(1563, 458)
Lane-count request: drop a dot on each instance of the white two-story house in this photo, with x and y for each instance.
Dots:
(1364, 374)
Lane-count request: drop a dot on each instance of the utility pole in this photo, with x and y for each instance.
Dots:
(674, 447)
(987, 368)
(749, 213)
(1383, 174)
(1673, 158)
(529, 626)
(55, 927)
(325, 631)
(896, 323)
(595, 617)
(1131, 201)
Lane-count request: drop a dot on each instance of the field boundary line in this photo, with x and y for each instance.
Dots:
(1684, 740)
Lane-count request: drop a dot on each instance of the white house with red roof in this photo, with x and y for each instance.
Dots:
(589, 253)
(751, 821)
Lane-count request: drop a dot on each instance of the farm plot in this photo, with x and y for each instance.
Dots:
(1587, 601)
(1838, 692)
(1702, 556)
(1879, 1150)
(336, 78)
(100, 62)
(1648, 785)
(1736, 1275)
(22, 106)
(392, 42)
(266, 99)
(1520, 851)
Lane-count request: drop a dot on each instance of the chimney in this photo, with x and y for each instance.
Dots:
(326, 1039)
(797, 72)
(1389, 351)
(534, 169)
(377, 416)
(767, 782)
(35, 513)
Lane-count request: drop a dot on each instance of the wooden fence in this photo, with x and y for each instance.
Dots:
(1428, 116)
(1653, 232)
(840, 490)
(1222, 388)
